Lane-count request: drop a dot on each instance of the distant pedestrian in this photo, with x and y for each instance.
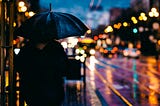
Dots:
(41, 66)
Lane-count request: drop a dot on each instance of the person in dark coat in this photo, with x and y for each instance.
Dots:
(41, 67)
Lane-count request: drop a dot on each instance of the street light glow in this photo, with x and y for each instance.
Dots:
(153, 13)
(142, 17)
(117, 26)
(158, 42)
(145, 18)
(134, 20)
(156, 14)
(89, 31)
(23, 9)
(21, 4)
(125, 24)
(154, 10)
(143, 14)
(108, 29)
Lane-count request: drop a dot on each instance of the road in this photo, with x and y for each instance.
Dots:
(124, 82)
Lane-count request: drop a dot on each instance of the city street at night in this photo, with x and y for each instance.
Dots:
(76, 53)
(117, 82)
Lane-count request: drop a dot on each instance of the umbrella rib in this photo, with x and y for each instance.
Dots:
(66, 15)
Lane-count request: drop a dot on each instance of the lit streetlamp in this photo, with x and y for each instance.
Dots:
(23, 11)
(154, 14)
(22, 6)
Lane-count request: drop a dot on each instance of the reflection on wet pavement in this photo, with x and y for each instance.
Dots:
(142, 80)
(114, 82)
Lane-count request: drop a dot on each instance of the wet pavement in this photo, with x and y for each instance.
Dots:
(78, 94)
(97, 92)
(116, 82)
(124, 82)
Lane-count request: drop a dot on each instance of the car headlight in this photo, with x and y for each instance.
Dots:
(92, 52)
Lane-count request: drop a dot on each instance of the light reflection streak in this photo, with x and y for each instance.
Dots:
(7, 78)
(109, 79)
(109, 76)
(78, 85)
(92, 62)
(135, 79)
(91, 66)
(154, 86)
(141, 89)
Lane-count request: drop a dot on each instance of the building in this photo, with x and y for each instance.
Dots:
(97, 16)
(143, 5)
(114, 14)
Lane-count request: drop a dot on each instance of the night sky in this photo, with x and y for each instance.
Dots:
(81, 7)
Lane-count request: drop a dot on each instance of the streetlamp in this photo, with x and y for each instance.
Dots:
(154, 14)
(23, 11)
(22, 6)
(108, 29)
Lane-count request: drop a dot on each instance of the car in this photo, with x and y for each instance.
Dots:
(89, 48)
(110, 51)
(131, 52)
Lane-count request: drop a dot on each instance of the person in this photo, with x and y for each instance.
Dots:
(41, 66)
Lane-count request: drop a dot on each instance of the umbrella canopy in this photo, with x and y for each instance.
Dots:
(51, 25)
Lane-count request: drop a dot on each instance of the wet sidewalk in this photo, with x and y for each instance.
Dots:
(77, 94)
(78, 91)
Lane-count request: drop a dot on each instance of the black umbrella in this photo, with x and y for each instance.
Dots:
(51, 25)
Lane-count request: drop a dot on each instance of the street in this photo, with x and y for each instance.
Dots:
(115, 82)
(123, 81)
(114, 44)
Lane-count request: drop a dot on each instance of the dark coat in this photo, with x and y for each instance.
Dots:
(41, 74)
